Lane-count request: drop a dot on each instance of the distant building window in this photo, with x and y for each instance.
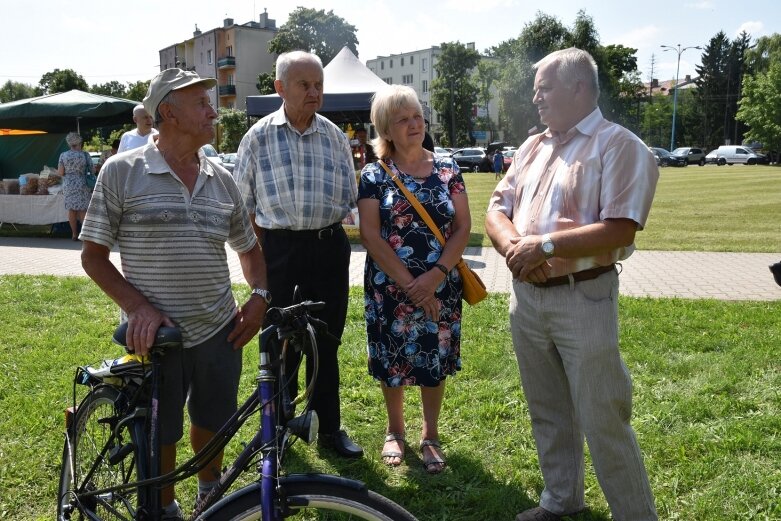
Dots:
(412, 60)
(439, 118)
(389, 81)
(402, 61)
(382, 65)
(229, 50)
(209, 56)
(423, 65)
(406, 79)
(425, 85)
(391, 64)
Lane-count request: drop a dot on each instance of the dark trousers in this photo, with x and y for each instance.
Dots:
(320, 268)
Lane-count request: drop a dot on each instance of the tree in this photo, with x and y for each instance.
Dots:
(538, 38)
(265, 83)
(488, 72)
(137, 91)
(316, 31)
(233, 126)
(111, 88)
(61, 81)
(760, 105)
(454, 92)
(712, 89)
(13, 90)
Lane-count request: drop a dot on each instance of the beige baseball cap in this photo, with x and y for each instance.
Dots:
(172, 79)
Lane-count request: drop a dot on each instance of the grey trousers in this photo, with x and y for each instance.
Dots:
(577, 386)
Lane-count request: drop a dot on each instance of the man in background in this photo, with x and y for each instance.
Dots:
(139, 136)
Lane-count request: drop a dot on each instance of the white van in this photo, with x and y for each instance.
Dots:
(731, 154)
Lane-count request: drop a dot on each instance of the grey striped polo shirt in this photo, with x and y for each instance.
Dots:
(172, 243)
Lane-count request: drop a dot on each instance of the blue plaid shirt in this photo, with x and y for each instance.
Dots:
(294, 180)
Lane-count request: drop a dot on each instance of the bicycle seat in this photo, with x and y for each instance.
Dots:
(165, 337)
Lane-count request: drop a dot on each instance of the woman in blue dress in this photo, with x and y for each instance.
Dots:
(412, 292)
(72, 167)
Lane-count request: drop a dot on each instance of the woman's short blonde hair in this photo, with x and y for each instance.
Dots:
(385, 103)
(73, 139)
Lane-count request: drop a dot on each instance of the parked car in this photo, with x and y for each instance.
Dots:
(731, 154)
(228, 161)
(665, 158)
(508, 158)
(441, 152)
(211, 152)
(692, 154)
(469, 158)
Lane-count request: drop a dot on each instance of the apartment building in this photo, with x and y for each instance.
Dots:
(234, 54)
(416, 69)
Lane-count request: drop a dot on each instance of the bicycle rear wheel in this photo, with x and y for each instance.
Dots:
(313, 497)
(99, 454)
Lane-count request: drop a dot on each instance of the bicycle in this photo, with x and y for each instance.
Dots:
(110, 468)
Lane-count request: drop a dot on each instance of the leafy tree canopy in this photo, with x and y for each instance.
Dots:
(454, 91)
(62, 81)
(137, 91)
(316, 31)
(111, 88)
(233, 124)
(14, 90)
(760, 105)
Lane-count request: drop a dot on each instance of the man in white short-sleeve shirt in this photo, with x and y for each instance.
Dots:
(140, 135)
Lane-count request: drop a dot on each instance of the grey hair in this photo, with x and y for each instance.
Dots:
(73, 139)
(169, 98)
(138, 109)
(574, 65)
(385, 103)
(287, 59)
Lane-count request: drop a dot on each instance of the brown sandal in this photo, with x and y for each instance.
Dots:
(387, 455)
(436, 463)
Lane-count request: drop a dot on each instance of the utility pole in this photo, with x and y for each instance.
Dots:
(675, 94)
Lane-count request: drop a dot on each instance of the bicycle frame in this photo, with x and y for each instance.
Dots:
(292, 328)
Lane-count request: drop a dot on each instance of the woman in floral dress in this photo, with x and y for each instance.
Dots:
(412, 290)
(73, 168)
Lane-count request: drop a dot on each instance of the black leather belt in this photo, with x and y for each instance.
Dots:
(576, 277)
(321, 234)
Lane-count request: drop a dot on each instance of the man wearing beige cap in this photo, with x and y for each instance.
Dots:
(171, 211)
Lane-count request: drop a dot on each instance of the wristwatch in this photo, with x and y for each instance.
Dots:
(262, 293)
(547, 246)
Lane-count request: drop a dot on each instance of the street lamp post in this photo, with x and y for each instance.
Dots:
(675, 94)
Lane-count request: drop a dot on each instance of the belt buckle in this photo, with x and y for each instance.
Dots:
(325, 233)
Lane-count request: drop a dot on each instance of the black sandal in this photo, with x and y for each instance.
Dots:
(388, 454)
(433, 464)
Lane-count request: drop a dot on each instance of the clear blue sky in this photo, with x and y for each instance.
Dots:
(104, 40)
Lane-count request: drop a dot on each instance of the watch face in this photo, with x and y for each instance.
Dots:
(547, 247)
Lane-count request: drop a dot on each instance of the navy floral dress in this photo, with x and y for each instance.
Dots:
(405, 347)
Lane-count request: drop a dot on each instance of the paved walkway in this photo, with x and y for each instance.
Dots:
(724, 276)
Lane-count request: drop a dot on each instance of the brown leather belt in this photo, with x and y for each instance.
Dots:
(576, 277)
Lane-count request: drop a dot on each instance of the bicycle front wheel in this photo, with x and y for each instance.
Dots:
(99, 454)
(315, 497)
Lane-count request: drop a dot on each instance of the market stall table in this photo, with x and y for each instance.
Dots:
(32, 209)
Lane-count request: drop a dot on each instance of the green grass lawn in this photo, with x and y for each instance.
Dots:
(731, 208)
(707, 407)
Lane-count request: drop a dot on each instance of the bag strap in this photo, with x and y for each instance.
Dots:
(415, 203)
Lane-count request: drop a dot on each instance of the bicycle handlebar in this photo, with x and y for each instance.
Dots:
(282, 317)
